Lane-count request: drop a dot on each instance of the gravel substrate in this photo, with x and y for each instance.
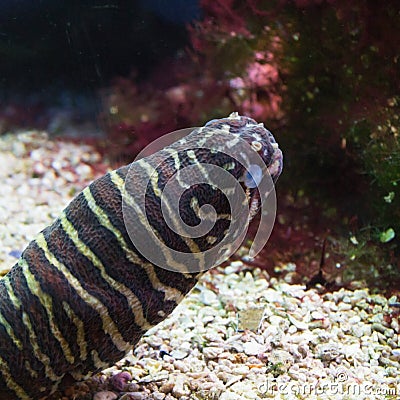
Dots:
(238, 335)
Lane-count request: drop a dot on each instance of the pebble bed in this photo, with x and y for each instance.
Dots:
(238, 335)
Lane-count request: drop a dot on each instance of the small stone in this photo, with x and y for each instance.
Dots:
(292, 277)
(346, 299)
(207, 319)
(69, 176)
(39, 169)
(317, 315)
(303, 349)
(134, 396)
(277, 320)
(158, 396)
(359, 330)
(387, 362)
(241, 370)
(298, 324)
(181, 366)
(344, 306)
(389, 333)
(233, 379)
(84, 171)
(105, 395)
(166, 387)
(19, 149)
(396, 353)
(272, 296)
(208, 297)
(132, 387)
(250, 318)
(253, 348)
(354, 320)
(378, 327)
(319, 323)
(328, 352)
(179, 388)
(153, 340)
(395, 325)
(155, 377)
(179, 354)
(212, 352)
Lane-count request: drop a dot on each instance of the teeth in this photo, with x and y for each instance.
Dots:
(274, 168)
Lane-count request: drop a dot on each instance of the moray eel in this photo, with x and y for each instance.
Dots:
(82, 294)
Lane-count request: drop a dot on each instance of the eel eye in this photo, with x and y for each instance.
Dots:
(253, 176)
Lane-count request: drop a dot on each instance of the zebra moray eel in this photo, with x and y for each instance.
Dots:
(81, 295)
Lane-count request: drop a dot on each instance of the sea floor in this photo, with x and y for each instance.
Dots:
(238, 335)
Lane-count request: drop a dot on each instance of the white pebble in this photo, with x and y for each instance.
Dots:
(208, 297)
(179, 388)
(158, 396)
(253, 348)
(134, 396)
(396, 352)
(298, 324)
(179, 354)
(212, 352)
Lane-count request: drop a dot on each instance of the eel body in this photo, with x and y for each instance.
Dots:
(81, 295)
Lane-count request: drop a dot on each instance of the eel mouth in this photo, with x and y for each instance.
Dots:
(274, 169)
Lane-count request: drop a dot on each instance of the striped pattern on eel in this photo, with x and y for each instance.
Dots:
(81, 295)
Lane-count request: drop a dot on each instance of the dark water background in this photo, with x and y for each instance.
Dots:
(49, 49)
